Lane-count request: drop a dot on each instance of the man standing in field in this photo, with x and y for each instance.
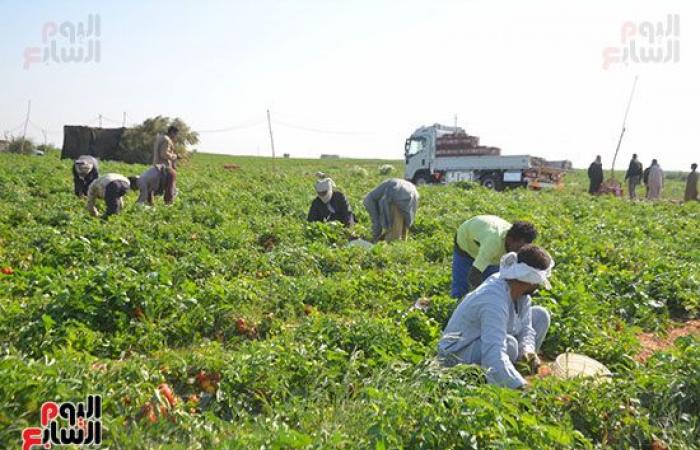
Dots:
(164, 148)
(633, 176)
(479, 244)
(159, 179)
(496, 324)
(111, 187)
(164, 153)
(392, 207)
(691, 184)
(595, 176)
(656, 181)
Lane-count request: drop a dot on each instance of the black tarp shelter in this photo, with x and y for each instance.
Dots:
(102, 143)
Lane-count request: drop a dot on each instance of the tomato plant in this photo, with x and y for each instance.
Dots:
(226, 320)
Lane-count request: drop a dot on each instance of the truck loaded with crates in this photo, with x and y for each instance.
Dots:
(442, 154)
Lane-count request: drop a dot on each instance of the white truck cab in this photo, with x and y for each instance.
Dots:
(442, 154)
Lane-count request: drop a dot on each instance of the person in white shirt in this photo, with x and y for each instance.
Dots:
(112, 188)
(157, 180)
(656, 181)
(496, 325)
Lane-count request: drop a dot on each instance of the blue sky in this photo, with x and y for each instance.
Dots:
(356, 78)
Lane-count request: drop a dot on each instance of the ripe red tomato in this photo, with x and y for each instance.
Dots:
(168, 394)
(208, 382)
(7, 270)
(149, 413)
(242, 326)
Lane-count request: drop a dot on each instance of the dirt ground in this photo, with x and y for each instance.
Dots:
(652, 343)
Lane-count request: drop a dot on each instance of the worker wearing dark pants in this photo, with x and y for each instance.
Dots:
(114, 192)
(634, 176)
(169, 190)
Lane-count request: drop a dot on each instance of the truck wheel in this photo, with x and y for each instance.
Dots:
(489, 183)
(420, 180)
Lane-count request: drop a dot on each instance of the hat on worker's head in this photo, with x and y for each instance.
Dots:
(325, 186)
(83, 167)
(513, 269)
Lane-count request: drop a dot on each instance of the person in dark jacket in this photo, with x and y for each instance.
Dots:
(85, 171)
(634, 176)
(691, 184)
(330, 205)
(595, 175)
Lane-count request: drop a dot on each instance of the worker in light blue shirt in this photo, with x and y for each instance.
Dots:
(496, 325)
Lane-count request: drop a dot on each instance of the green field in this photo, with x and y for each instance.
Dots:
(336, 359)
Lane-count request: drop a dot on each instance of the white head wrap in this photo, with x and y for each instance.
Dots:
(511, 269)
(325, 185)
(83, 165)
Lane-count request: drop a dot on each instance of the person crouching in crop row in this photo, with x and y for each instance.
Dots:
(496, 324)
(85, 171)
(479, 244)
(112, 188)
(392, 207)
(157, 180)
(330, 205)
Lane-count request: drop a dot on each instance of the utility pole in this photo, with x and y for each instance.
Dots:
(272, 140)
(624, 128)
(124, 120)
(100, 120)
(45, 140)
(26, 122)
(455, 120)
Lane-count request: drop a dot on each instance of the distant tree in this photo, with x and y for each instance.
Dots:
(141, 138)
(16, 146)
(48, 148)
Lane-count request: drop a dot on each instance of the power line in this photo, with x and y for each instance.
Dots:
(17, 128)
(40, 128)
(111, 120)
(315, 129)
(318, 130)
(249, 124)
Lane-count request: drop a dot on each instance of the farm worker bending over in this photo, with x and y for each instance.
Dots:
(111, 187)
(158, 180)
(85, 171)
(691, 184)
(330, 205)
(392, 207)
(656, 181)
(479, 244)
(633, 175)
(496, 325)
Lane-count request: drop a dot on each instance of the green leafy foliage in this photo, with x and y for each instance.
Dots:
(140, 138)
(272, 333)
(21, 145)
